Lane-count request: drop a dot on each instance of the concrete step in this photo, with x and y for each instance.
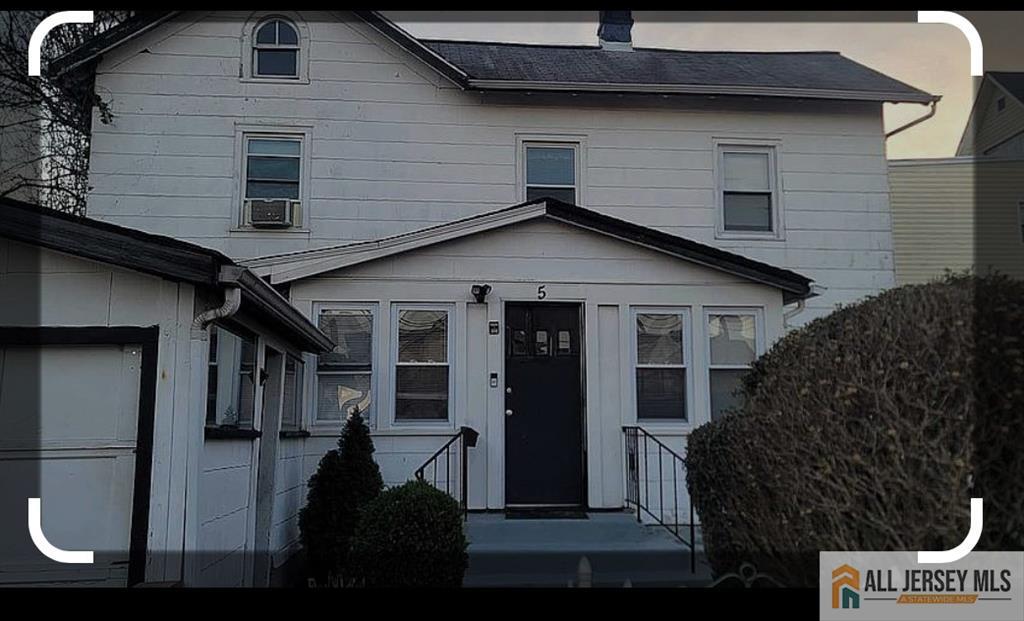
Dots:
(547, 552)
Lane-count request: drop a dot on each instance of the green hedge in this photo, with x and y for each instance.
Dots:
(870, 429)
(410, 536)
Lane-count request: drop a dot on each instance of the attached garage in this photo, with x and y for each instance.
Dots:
(105, 381)
(77, 408)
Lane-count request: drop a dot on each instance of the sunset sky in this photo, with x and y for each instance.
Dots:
(934, 58)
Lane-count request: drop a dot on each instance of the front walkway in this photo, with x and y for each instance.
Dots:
(547, 552)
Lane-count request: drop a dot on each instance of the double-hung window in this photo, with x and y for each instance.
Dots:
(550, 171)
(422, 354)
(747, 190)
(345, 375)
(291, 408)
(273, 167)
(231, 388)
(733, 344)
(275, 50)
(662, 364)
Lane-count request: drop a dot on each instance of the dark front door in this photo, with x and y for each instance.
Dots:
(543, 405)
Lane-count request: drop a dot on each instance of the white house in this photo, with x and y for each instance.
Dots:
(543, 244)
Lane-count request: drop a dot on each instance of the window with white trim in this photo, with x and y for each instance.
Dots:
(732, 348)
(550, 170)
(291, 408)
(747, 190)
(231, 384)
(662, 364)
(273, 167)
(422, 355)
(275, 49)
(345, 374)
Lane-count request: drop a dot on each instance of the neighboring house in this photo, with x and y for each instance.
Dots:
(996, 124)
(541, 243)
(104, 338)
(966, 212)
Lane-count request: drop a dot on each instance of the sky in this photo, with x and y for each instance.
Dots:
(932, 57)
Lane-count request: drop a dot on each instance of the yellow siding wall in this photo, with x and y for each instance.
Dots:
(956, 214)
(989, 127)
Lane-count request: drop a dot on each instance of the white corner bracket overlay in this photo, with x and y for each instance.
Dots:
(965, 547)
(35, 42)
(35, 530)
(962, 24)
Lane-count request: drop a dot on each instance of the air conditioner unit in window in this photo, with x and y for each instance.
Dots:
(272, 213)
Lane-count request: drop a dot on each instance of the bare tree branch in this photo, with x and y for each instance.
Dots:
(45, 122)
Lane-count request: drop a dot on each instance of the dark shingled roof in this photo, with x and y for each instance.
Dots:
(1012, 81)
(803, 71)
(478, 65)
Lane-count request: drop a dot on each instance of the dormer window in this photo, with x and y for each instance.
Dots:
(275, 50)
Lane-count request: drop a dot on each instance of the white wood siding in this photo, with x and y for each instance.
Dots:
(395, 148)
(606, 276)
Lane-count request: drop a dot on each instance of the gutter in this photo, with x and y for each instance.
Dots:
(267, 299)
(702, 89)
(922, 119)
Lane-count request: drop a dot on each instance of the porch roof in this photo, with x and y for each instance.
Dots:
(160, 256)
(287, 267)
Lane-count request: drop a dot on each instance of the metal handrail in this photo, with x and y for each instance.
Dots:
(466, 439)
(640, 496)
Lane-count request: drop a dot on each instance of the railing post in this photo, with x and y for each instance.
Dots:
(693, 538)
(464, 466)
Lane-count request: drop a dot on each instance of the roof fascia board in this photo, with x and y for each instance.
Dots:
(100, 243)
(290, 270)
(272, 303)
(700, 89)
(65, 68)
(725, 266)
(390, 31)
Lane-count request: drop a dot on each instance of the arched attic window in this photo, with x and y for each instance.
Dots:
(275, 49)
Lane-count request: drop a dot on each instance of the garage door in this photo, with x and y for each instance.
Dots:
(70, 422)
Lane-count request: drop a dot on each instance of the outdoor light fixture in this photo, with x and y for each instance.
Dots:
(480, 292)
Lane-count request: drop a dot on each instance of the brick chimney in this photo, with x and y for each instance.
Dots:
(614, 30)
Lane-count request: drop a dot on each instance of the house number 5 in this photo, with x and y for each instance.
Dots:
(541, 293)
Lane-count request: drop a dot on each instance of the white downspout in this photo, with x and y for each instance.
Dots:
(800, 305)
(199, 354)
(232, 301)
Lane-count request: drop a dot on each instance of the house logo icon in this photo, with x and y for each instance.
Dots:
(845, 587)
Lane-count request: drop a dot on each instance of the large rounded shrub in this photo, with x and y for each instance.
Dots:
(410, 536)
(346, 479)
(870, 429)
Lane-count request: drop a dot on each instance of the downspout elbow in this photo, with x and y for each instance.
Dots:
(800, 305)
(232, 302)
(922, 119)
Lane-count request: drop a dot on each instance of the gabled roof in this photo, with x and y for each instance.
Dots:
(474, 65)
(157, 255)
(291, 266)
(1009, 82)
